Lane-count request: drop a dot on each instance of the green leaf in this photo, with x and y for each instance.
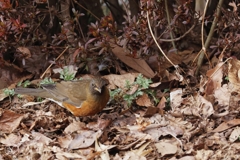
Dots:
(47, 81)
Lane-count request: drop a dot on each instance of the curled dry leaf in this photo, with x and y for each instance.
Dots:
(103, 149)
(234, 73)
(215, 78)
(144, 100)
(234, 135)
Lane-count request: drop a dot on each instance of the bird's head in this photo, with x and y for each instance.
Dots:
(97, 85)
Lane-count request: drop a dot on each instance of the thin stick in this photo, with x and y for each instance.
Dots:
(209, 37)
(169, 25)
(182, 36)
(52, 63)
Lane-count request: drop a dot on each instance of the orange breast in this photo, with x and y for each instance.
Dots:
(89, 107)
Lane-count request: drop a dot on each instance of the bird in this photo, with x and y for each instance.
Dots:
(85, 97)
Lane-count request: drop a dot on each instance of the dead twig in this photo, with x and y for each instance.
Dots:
(52, 63)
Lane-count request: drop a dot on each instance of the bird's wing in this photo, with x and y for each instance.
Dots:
(77, 89)
(73, 92)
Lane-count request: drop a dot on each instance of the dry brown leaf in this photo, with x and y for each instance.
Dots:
(103, 149)
(204, 154)
(84, 139)
(235, 134)
(215, 78)
(176, 97)
(206, 107)
(40, 138)
(120, 80)
(32, 59)
(162, 103)
(144, 100)
(153, 85)
(101, 124)
(163, 131)
(133, 89)
(11, 140)
(74, 126)
(151, 111)
(139, 65)
(68, 155)
(65, 141)
(138, 153)
(24, 51)
(183, 158)
(166, 148)
(226, 125)
(9, 121)
(222, 95)
(234, 73)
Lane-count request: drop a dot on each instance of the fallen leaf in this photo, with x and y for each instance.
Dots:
(204, 154)
(120, 80)
(234, 73)
(139, 64)
(165, 148)
(11, 140)
(176, 97)
(162, 103)
(9, 121)
(226, 125)
(151, 111)
(65, 141)
(73, 127)
(103, 149)
(215, 78)
(235, 135)
(40, 138)
(222, 95)
(84, 139)
(144, 100)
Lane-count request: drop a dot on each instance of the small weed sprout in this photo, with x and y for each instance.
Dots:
(9, 92)
(24, 84)
(66, 75)
(47, 81)
(142, 87)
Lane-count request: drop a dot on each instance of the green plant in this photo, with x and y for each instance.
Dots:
(142, 85)
(115, 93)
(24, 84)
(47, 81)
(227, 78)
(39, 99)
(66, 75)
(9, 92)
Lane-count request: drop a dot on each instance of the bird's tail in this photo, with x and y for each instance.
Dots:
(31, 91)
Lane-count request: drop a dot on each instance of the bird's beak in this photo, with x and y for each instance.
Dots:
(98, 89)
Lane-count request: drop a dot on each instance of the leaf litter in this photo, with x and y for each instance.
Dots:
(200, 125)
